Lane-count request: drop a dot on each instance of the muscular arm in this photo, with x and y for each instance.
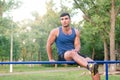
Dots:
(77, 41)
(50, 41)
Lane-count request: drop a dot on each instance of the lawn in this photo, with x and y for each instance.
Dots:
(23, 72)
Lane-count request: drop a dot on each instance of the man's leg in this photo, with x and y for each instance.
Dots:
(71, 55)
(95, 75)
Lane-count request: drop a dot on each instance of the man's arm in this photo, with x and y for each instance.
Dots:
(77, 41)
(50, 41)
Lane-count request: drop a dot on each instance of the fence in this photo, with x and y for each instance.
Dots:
(65, 62)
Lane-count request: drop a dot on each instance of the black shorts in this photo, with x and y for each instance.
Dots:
(61, 57)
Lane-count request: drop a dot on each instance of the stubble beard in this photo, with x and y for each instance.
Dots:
(66, 26)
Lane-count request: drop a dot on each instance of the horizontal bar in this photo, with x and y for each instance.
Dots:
(40, 62)
(107, 61)
(58, 62)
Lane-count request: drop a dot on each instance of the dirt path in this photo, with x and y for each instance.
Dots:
(43, 71)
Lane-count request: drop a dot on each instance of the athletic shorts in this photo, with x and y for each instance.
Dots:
(61, 57)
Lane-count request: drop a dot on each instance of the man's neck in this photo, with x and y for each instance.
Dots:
(66, 28)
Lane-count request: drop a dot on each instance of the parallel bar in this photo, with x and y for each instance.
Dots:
(106, 68)
(58, 62)
(65, 62)
(40, 62)
(104, 62)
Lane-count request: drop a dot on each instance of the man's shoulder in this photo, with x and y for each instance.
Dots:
(55, 31)
(76, 30)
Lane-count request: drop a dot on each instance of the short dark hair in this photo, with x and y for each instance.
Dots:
(65, 14)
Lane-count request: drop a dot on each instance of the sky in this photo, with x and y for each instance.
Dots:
(28, 6)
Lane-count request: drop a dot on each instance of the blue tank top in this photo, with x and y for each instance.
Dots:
(65, 42)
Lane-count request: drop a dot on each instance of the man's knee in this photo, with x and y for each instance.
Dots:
(68, 55)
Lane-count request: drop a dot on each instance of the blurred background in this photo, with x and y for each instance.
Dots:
(26, 24)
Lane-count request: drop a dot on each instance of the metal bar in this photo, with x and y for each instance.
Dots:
(58, 62)
(65, 62)
(40, 62)
(106, 68)
(103, 62)
(106, 65)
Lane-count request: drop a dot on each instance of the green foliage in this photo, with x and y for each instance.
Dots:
(30, 36)
(33, 34)
(7, 26)
(4, 48)
(8, 5)
(96, 24)
(90, 39)
(117, 30)
(97, 14)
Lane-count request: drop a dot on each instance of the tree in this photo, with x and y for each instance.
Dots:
(5, 25)
(102, 13)
(94, 16)
(115, 9)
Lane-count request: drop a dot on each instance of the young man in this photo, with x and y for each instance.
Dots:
(67, 41)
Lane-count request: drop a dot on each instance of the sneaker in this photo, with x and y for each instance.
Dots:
(93, 68)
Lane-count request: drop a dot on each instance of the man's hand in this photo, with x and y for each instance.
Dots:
(52, 60)
(75, 50)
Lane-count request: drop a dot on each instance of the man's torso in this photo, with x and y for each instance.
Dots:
(65, 42)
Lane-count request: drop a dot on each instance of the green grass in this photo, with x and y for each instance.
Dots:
(22, 68)
(23, 72)
(71, 75)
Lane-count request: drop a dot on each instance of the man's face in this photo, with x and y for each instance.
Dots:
(65, 21)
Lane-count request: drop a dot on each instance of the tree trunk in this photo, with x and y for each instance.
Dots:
(93, 54)
(112, 36)
(24, 54)
(1, 7)
(31, 59)
(105, 53)
(1, 11)
(105, 50)
(39, 57)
